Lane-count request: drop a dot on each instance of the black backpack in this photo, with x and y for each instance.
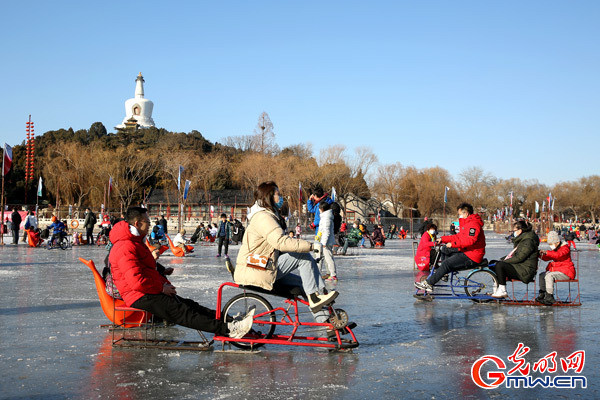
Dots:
(337, 217)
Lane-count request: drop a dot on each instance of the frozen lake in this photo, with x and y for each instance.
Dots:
(52, 345)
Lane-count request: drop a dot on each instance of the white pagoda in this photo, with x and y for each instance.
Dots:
(138, 108)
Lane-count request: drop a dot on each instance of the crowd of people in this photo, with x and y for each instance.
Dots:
(271, 255)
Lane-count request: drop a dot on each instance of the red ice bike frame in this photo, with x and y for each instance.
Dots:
(267, 318)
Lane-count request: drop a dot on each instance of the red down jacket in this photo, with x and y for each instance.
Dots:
(132, 265)
(470, 238)
(422, 258)
(561, 261)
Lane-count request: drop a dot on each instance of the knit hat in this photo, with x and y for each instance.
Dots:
(553, 237)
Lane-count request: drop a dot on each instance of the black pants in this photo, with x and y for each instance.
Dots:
(505, 271)
(89, 232)
(180, 311)
(15, 236)
(455, 262)
(223, 239)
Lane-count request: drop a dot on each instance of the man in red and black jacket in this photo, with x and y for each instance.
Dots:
(469, 243)
(141, 286)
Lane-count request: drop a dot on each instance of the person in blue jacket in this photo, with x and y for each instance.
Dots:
(58, 229)
(313, 205)
(157, 235)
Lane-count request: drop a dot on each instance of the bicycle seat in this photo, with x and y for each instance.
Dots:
(279, 289)
(482, 264)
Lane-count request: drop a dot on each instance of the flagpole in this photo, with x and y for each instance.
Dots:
(2, 199)
(37, 198)
(445, 225)
(57, 201)
(179, 199)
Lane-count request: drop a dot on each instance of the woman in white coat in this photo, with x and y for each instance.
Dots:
(326, 236)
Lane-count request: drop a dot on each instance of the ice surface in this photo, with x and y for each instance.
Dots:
(52, 345)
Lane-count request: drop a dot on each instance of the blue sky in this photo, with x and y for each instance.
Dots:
(509, 86)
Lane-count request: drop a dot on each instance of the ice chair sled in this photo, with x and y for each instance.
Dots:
(128, 318)
(178, 251)
(161, 249)
(569, 300)
(124, 317)
(521, 299)
(32, 239)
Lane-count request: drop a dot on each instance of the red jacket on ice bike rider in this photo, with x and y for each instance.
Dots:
(463, 250)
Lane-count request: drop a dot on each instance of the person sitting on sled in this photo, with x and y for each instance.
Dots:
(521, 262)
(58, 229)
(378, 236)
(352, 239)
(156, 237)
(402, 233)
(425, 252)
(465, 249)
(105, 226)
(135, 275)
(180, 241)
(561, 267)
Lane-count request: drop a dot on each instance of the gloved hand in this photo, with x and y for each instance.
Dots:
(317, 251)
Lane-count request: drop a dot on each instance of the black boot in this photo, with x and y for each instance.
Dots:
(548, 299)
(541, 296)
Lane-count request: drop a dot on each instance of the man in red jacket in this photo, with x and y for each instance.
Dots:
(141, 286)
(469, 243)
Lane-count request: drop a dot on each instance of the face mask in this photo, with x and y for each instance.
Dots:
(553, 246)
(515, 234)
(279, 203)
(432, 232)
(355, 226)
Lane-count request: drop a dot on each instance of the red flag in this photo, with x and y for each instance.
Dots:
(8, 157)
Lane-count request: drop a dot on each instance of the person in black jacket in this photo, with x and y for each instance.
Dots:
(88, 225)
(570, 238)
(163, 222)
(15, 218)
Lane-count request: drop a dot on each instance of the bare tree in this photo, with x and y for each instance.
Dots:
(388, 185)
(431, 187)
(130, 169)
(262, 141)
(265, 142)
(254, 169)
(335, 154)
(591, 195)
(476, 186)
(344, 173)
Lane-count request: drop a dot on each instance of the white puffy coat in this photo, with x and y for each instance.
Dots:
(327, 236)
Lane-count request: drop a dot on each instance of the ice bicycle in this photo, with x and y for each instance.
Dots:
(338, 328)
(478, 283)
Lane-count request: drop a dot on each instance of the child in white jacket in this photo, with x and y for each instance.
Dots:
(326, 237)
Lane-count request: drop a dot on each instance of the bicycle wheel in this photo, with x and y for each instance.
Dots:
(64, 243)
(239, 305)
(480, 282)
